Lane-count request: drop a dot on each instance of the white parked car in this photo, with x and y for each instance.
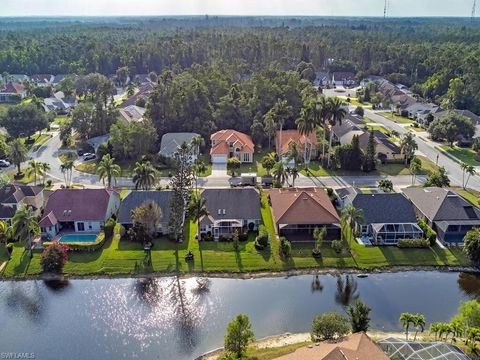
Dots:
(4, 163)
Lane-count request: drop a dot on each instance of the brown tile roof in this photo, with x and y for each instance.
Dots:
(77, 205)
(302, 206)
(354, 347)
(289, 136)
(49, 220)
(220, 149)
(12, 88)
(229, 135)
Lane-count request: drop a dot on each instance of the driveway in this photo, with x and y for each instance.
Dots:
(219, 170)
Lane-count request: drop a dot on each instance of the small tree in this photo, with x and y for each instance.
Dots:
(233, 164)
(472, 245)
(329, 326)
(239, 335)
(54, 257)
(406, 319)
(285, 247)
(268, 162)
(415, 167)
(358, 314)
(369, 162)
(235, 240)
(385, 185)
(318, 235)
(438, 178)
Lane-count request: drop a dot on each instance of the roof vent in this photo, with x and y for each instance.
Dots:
(219, 211)
(223, 211)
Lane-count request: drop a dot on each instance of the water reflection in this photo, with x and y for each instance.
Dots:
(28, 301)
(470, 284)
(147, 290)
(316, 285)
(57, 285)
(347, 290)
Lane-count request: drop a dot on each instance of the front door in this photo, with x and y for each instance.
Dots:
(216, 232)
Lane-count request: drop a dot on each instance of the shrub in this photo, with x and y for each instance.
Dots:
(109, 227)
(337, 246)
(329, 326)
(54, 257)
(258, 246)
(243, 237)
(429, 234)
(359, 111)
(239, 335)
(262, 237)
(49, 183)
(413, 243)
(251, 226)
(285, 247)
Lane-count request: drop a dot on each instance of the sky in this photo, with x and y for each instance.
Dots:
(400, 8)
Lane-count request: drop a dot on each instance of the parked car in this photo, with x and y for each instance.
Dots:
(4, 163)
(89, 156)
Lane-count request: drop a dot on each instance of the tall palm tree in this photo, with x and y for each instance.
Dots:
(280, 112)
(67, 169)
(280, 173)
(352, 216)
(293, 153)
(321, 113)
(471, 172)
(144, 175)
(45, 169)
(108, 170)
(197, 208)
(18, 153)
(336, 115)
(406, 319)
(408, 145)
(294, 175)
(197, 143)
(34, 168)
(306, 125)
(24, 225)
(419, 323)
(464, 167)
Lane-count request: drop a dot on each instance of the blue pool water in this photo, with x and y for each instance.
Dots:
(78, 238)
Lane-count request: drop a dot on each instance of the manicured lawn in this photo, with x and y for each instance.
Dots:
(316, 169)
(60, 120)
(428, 167)
(255, 166)
(396, 118)
(380, 128)
(87, 167)
(466, 155)
(67, 156)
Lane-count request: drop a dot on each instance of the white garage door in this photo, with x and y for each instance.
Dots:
(219, 159)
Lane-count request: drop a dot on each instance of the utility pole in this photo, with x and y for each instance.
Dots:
(474, 7)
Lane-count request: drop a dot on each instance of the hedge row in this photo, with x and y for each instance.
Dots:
(413, 243)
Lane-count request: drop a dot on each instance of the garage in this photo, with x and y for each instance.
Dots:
(219, 159)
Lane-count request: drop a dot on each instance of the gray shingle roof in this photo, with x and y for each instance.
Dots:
(385, 208)
(238, 203)
(172, 141)
(137, 198)
(439, 204)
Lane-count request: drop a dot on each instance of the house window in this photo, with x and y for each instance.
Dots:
(203, 228)
(246, 157)
(80, 226)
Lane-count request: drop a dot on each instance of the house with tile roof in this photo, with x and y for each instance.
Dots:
(12, 92)
(387, 217)
(449, 214)
(298, 211)
(171, 142)
(132, 113)
(231, 143)
(136, 198)
(304, 143)
(230, 210)
(78, 210)
(357, 346)
(12, 196)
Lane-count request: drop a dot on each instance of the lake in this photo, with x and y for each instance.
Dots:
(181, 318)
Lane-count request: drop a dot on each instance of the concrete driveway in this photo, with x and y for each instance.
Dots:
(219, 170)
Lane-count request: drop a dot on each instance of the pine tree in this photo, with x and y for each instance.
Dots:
(369, 161)
(356, 154)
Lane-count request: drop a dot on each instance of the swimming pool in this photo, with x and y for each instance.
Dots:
(78, 238)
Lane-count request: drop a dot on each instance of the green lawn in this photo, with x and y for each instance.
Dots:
(466, 155)
(469, 194)
(396, 118)
(316, 169)
(380, 128)
(67, 156)
(255, 166)
(126, 257)
(60, 120)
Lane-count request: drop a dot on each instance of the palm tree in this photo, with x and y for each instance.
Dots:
(408, 145)
(280, 112)
(24, 224)
(280, 173)
(294, 174)
(34, 168)
(197, 143)
(471, 172)
(306, 125)
(434, 328)
(293, 153)
(144, 175)
(406, 319)
(18, 153)
(352, 216)
(107, 169)
(415, 167)
(464, 167)
(419, 323)
(45, 167)
(67, 169)
(197, 208)
(3, 232)
(321, 113)
(337, 113)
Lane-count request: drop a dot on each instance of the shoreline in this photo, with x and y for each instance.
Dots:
(251, 275)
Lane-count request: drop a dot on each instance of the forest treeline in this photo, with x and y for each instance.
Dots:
(424, 54)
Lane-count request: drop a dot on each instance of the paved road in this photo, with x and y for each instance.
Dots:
(426, 148)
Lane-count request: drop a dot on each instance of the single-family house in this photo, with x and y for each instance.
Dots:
(449, 214)
(387, 217)
(78, 210)
(18, 78)
(322, 79)
(42, 79)
(171, 142)
(344, 78)
(12, 92)
(230, 210)
(343, 133)
(370, 78)
(298, 211)
(137, 198)
(304, 143)
(132, 113)
(59, 103)
(357, 346)
(58, 78)
(143, 92)
(419, 111)
(385, 149)
(142, 78)
(12, 196)
(231, 143)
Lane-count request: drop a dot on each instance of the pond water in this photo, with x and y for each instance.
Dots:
(175, 318)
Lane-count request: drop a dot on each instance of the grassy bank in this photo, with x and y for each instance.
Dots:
(123, 257)
(466, 155)
(396, 118)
